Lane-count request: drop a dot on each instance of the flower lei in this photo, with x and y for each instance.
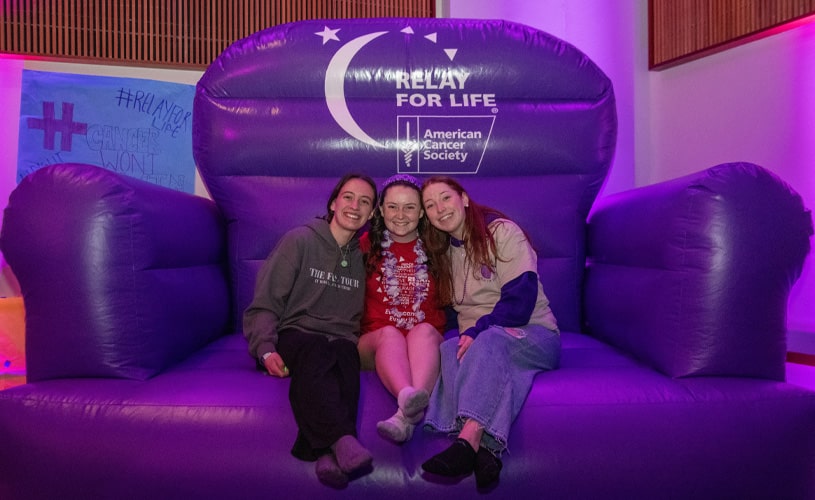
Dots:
(391, 283)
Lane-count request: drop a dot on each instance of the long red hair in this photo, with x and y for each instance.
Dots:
(479, 242)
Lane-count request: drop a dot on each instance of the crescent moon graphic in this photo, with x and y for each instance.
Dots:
(335, 88)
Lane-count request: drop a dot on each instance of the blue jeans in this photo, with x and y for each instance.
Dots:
(491, 382)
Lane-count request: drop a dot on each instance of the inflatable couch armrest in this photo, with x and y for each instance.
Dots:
(693, 275)
(120, 278)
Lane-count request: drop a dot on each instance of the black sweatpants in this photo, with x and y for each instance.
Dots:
(324, 391)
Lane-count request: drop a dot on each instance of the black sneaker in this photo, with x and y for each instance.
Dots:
(487, 468)
(457, 460)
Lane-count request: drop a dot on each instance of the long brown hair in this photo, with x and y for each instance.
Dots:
(479, 242)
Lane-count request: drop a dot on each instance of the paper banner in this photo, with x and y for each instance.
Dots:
(140, 128)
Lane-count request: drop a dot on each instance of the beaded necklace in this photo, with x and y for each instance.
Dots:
(390, 282)
(464, 292)
(457, 243)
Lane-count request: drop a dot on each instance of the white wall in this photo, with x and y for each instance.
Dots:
(755, 103)
(10, 74)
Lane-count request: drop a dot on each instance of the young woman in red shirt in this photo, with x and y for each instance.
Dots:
(403, 321)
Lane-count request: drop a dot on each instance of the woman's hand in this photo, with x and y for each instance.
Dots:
(464, 343)
(275, 366)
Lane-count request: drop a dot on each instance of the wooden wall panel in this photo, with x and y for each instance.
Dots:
(178, 33)
(682, 30)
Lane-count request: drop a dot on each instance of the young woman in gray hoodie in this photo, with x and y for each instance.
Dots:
(304, 323)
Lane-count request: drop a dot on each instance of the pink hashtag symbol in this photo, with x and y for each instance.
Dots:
(66, 126)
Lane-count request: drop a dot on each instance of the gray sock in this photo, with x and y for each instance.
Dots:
(351, 455)
(329, 472)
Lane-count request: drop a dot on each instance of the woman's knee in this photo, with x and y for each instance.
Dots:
(391, 334)
(373, 340)
(424, 332)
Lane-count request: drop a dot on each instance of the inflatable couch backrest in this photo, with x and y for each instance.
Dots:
(525, 121)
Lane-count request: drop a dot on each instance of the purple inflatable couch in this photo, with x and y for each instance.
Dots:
(672, 298)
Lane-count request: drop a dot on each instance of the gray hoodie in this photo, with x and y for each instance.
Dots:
(302, 287)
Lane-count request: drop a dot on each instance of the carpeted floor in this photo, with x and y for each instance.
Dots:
(12, 342)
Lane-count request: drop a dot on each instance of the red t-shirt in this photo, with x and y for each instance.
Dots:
(377, 302)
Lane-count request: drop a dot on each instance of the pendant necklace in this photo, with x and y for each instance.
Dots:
(344, 253)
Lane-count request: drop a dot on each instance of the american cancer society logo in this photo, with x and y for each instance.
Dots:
(451, 133)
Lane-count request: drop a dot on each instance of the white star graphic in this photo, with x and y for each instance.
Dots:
(328, 34)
